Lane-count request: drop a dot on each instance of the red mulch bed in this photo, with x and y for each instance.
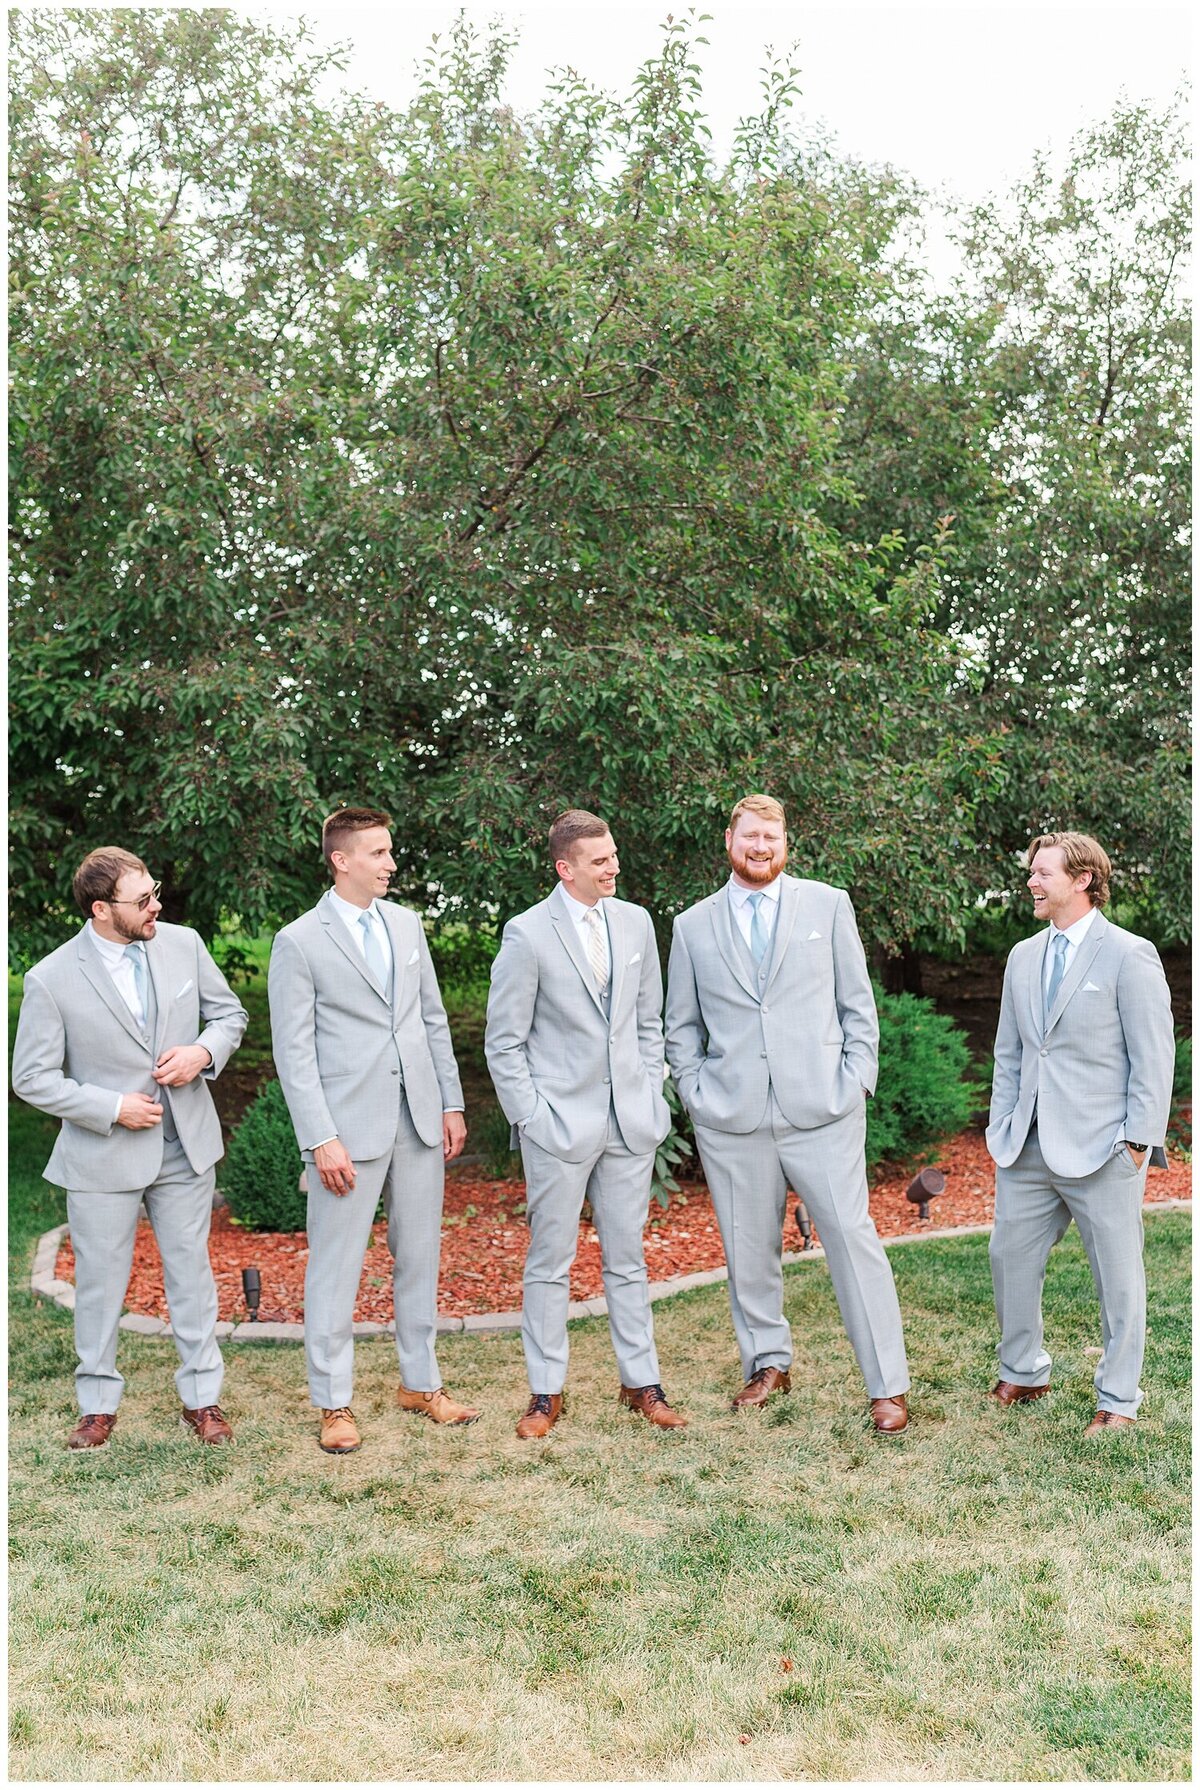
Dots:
(484, 1239)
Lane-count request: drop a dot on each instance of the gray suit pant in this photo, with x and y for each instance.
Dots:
(1033, 1209)
(617, 1183)
(103, 1227)
(412, 1181)
(748, 1175)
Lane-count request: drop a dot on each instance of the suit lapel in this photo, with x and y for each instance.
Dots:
(332, 922)
(1037, 984)
(722, 923)
(1085, 957)
(785, 920)
(156, 965)
(394, 924)
(95, 972)
(617, 947)
(568, 934)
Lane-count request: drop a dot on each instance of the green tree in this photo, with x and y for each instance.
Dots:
(1041, 411)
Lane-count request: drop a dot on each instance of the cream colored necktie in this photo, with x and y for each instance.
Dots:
(597, 955)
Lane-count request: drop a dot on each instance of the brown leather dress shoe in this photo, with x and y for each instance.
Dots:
(1108, 1420)
(339, 1432)
(1005, 1393)
(438, 1405)
(758, 1388)
(209, 1423)
(651, 1401)
(93, 1430)
(541, 1416)
(889, 1416)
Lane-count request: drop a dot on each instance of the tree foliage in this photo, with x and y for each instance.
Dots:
(476, 465)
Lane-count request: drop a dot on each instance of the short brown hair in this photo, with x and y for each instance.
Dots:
(1080, 852)
(98, 875)
(572, 825)
(766, 807)
(343, 822)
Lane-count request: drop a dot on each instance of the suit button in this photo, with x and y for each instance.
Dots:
(766, 1009)
(608, 1081)
(1044, 1053)
(762, 1053)
(395, 1072)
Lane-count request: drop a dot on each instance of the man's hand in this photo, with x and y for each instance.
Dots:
(454, 1135)
(1139, 1156)
(334, 1166)
(138, 1112)
(181, 1064)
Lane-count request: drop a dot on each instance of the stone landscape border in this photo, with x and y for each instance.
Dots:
(44, 1283)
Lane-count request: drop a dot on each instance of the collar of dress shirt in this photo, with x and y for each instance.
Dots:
(740, 895)
(111, 952)
(1076, 933)
(579, 910)
(347, 911)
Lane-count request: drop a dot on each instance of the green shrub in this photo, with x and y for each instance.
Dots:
(926, 1090)
(678, 1145)
(260, 1176)
(1180, 1128)
(489, 1137)
(462, 955)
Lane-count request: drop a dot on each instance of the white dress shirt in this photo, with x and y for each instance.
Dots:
(583, 926)
(120, 968)
(1074, 936)
(743, 913)
(351, 916)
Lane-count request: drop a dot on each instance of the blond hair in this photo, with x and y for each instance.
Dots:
(766, 807)
(1080, 853)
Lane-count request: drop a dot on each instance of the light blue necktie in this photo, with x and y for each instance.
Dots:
(1059, 943)
(137, 957)
(760, 938)
(376, 962)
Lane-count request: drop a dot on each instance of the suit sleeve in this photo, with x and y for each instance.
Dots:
(1006, 1077)
(39, 1053)
(1144, 1003)
(222, 1016)
(649, 1009)
(437, 1030)
(511, 1002)
(293, 1004)
(854, 996)
(686, 1036)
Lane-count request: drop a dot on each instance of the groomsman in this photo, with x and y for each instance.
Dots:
(363, 1051)
(575, 1049)
(1081, 1096)
(773, 1041)
(122, 1029)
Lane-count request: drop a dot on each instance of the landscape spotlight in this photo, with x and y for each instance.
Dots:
(252, 1288)
(925, 1187)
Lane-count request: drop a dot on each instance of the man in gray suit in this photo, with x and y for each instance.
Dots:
(363, 1052)
(574, 1045)
(773, 1042)
(1081, 1096)
(121, 1031)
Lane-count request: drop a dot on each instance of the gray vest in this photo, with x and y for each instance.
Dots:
(156, 1092)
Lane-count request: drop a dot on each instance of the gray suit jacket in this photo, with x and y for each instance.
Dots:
(78, 1047)
(557, 1060)
(341, 1050)
(811, 1034)
(1105, 1060)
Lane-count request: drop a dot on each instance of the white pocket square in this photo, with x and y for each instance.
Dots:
(1090, 988)
(180, 992)
(411, 961)
(813, 935)
(636, 958)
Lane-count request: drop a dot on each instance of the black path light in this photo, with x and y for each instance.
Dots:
(804, 1222)
(925, 1187)
(252, 1288)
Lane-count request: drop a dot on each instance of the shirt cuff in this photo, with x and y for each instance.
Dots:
(117, 1114)
(454, 1109)
(326, 1140)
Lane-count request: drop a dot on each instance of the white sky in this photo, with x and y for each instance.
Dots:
(959, 96)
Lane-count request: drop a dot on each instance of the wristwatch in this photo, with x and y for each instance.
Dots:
(1130, 1145)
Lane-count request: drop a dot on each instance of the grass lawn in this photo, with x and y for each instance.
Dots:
(989, 1598)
